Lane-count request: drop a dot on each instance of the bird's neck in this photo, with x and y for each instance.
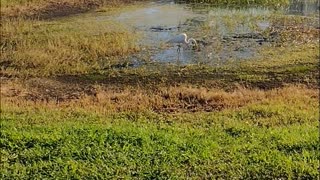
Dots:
(187, 41)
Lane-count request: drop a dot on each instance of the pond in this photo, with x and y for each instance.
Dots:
(222, 33)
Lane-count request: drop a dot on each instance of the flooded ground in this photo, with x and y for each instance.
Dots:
(223, 34)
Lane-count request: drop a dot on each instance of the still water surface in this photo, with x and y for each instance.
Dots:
(222, 33)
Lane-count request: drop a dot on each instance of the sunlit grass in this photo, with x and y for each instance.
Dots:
(70, 114)
(5, 3)
(164, 99)
(276, 137)
(32, 47)
(48, 9)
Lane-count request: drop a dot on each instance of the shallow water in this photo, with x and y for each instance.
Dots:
(161, 21)
(222, 33)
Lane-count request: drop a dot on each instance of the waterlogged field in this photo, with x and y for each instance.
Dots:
(99, 95)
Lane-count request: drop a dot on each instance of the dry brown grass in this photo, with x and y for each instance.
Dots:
(45, 9)
(182, 98)
(32, 47)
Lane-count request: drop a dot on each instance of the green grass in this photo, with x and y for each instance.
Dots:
(273, 139)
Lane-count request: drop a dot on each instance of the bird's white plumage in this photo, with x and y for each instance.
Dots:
(182, 39)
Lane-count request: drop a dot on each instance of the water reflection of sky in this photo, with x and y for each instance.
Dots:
(155, 15)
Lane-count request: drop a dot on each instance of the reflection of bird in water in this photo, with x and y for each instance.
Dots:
(182, 39)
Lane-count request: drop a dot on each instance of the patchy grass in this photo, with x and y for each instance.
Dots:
(48, 9)
(69, 111)
(241, 3)
(74, 46)
(33, 48)
(163, 99)
(275, 138)
(279, 66)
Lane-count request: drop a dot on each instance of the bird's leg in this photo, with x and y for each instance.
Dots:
(178, 51)
(179, 47)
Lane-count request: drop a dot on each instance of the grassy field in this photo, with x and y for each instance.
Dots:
(72, 108)
(272, 139)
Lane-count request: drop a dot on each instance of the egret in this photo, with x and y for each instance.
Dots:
(182, 39)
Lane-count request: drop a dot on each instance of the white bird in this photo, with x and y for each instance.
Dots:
(182, 39)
